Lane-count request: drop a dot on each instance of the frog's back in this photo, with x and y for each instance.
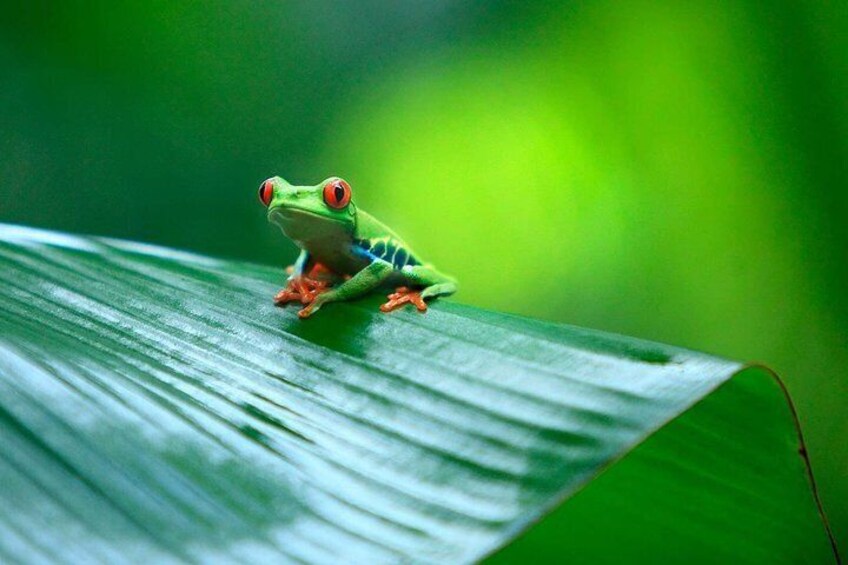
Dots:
(377, 239)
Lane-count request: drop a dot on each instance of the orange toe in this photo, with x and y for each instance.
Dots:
(404, 295)
(301, 289)
(285, 296)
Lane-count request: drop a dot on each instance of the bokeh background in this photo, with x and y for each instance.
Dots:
(673, 171)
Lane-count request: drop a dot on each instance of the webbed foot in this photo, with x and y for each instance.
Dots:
(301, 289)
(404, 295)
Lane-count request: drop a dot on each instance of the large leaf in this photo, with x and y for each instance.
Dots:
(155, 405)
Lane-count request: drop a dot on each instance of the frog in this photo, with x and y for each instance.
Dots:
(345, 253)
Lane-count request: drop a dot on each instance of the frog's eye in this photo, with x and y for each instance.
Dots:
(266, 192)
(337, 194)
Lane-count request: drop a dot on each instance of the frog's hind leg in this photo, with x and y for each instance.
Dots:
(430, 284)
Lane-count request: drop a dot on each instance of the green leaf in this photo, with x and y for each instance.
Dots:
(156, 405)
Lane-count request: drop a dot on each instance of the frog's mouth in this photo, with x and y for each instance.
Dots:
(300, 224)
(278, 215)
(289, 213)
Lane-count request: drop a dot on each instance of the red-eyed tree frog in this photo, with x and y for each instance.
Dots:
(345, 252)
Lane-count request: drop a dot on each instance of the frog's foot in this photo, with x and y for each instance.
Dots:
(301, 289)
(320, 272)
(308, 310)
(404, 295)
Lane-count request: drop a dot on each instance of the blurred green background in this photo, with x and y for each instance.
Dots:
(673, 171)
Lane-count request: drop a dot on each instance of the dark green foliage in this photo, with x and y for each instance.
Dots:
(155, 403)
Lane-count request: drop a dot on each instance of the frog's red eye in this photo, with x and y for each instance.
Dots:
(266, 192)
(337, 194)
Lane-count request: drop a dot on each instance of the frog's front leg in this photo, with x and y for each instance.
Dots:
(361, 283)
(303, 287)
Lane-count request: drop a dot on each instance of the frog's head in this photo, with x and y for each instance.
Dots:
(307, 213)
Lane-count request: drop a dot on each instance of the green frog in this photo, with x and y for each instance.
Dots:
(345, 252)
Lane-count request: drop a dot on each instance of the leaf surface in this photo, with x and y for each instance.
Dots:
(155, 405)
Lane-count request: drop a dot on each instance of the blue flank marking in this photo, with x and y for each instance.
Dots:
(410, 260)
(389, 255)
(400, 259)
(397, 256)
(363, 252)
